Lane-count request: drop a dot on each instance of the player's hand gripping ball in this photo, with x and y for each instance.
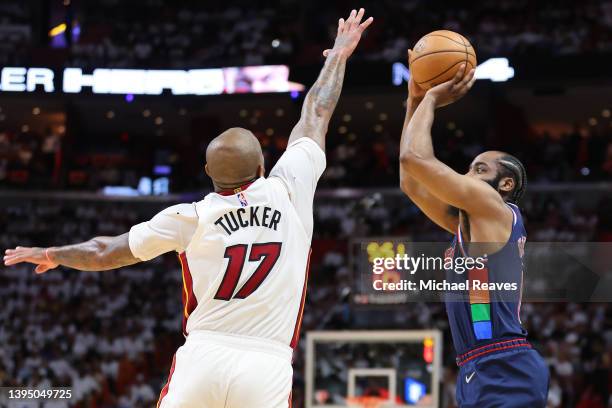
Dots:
(438, 56)
(453, 90)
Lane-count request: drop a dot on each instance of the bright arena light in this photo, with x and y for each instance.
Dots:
(493, 69)
(57, 30)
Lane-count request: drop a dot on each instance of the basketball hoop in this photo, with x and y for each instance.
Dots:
(367, 402)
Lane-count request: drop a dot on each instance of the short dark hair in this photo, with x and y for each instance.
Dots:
(510, 166)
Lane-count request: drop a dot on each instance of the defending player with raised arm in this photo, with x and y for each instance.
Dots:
(244, 252)
(495, 358)
(106, 253)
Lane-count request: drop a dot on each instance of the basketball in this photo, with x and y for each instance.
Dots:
(437, 56)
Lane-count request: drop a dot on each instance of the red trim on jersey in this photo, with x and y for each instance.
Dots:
(236, 190)
(489, 351)
(290, 399)
(189, 300)
(298, 323)
(497, 343)
(164, 390)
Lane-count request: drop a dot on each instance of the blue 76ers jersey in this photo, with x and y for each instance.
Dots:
(480, 316)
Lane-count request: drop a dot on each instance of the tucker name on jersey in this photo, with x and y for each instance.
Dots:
(256, 216)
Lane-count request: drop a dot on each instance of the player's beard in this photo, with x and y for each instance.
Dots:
(494, 182)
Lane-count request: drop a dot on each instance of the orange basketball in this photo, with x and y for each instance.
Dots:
(437, 56)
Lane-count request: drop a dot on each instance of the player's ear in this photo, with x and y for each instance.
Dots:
(506, 184)
(206, 170)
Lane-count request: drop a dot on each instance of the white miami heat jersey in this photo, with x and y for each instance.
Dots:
(244, 254)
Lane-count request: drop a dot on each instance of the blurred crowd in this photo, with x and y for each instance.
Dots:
(584, 154)
(29, 158)
(16, 39)
(111, 335)
(157, 33)
(106, 335)
(36, 160)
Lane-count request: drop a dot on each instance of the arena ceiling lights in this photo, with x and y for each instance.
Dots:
(213, 81)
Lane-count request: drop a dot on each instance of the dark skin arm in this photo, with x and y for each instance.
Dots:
(322, 98)
(97, 254)
(418, 162)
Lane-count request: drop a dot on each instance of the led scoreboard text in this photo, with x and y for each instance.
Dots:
(210, 81)
(493, 69)
(205, 81)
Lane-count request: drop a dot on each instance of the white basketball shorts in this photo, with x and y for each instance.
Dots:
(215, 370)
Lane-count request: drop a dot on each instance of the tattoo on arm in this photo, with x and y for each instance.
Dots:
(321, 101)
(322, 98)
(97, 254)
(326, 90)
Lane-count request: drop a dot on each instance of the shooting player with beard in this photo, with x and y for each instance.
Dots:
(497, 365)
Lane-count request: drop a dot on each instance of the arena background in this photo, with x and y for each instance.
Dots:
(95, 159)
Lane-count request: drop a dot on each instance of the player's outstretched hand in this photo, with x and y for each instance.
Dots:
(38, 256)
(453, 90)
(349, 33)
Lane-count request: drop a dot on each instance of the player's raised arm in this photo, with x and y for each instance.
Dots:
(434, 208)
(418, 161)
(322, 98)
(169, 230)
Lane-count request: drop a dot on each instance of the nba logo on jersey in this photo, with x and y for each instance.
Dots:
(242, 199)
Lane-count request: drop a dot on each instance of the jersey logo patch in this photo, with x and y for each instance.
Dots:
(242, 199)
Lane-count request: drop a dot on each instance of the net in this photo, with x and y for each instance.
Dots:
(368, 402)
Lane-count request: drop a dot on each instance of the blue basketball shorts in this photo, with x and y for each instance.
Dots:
(507, 377)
